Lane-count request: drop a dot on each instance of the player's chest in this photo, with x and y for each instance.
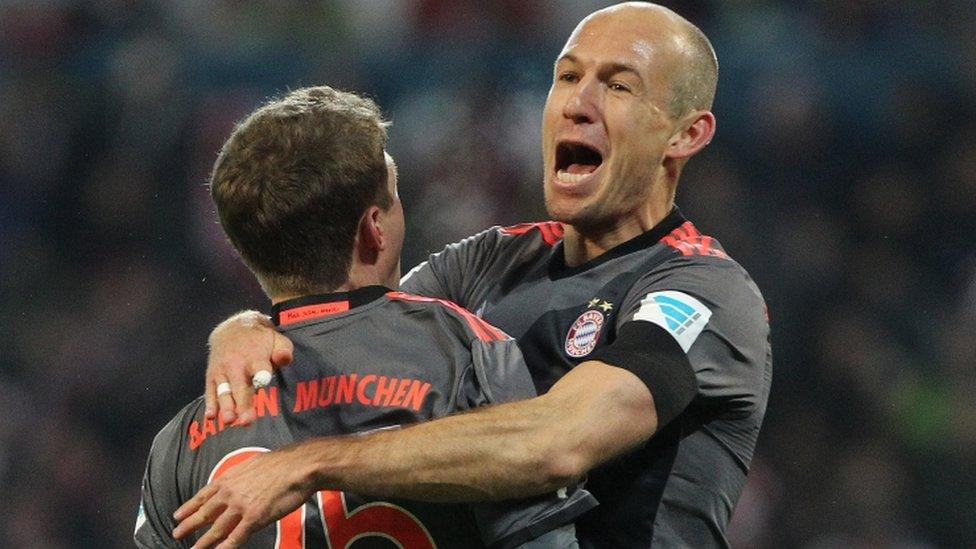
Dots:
(560, 322)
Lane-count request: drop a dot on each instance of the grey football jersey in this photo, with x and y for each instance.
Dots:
(680, 488)
(364, 360)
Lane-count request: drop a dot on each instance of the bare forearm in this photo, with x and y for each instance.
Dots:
(505, 451)
(487, 455)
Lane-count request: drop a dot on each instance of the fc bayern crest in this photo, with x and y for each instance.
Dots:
(584, 333)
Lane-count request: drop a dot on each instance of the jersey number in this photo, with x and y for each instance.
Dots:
(341, 527)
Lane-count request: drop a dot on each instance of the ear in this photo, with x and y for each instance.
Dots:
(693, 137)
(370, 232)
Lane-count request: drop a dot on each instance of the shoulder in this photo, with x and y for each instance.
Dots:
(708, 277)
(543, 234)
(688, 241)
(176, 429)
(462, 271)
(700, 265)
(171, 442)
(460, 319)
(547, 232)
(492, 367)
(699, 284)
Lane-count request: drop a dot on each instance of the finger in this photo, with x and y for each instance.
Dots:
(243, 393)
(238, 536)
(223, 526)
(215, 377)
(225, 399)
(207, 514)
(194, 503)
(282, 350)
(210, 397)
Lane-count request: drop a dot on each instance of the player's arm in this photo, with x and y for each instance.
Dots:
(247, 342)
(593, 413)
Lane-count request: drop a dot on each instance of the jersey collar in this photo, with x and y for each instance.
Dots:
(557, 261)
(309, 307)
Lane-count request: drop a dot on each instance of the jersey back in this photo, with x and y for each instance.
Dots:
(364, 360)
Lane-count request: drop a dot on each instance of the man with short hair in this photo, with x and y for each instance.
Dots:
(648, 344)
(307, 195)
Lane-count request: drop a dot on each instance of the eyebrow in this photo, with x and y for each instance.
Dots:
(568, 57)
(611, 68)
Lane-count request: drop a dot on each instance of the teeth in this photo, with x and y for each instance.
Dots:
(567, 177)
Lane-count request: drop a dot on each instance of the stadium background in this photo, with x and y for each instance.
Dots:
(842, 177)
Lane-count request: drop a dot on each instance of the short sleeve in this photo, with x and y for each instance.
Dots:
(501, 372)
(154, 522)
(451, 273)
(716, 314)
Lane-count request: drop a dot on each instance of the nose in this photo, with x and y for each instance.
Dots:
(582, 105)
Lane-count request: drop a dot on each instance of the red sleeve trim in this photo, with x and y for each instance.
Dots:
(687, 240)
(483, 330)
(552, 231)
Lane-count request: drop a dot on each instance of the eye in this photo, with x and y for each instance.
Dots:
(568, 76)
(619, 86)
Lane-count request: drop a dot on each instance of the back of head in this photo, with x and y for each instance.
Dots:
(292, 181)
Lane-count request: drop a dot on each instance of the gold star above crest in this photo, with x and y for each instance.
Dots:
(593, 303)
(606, 306)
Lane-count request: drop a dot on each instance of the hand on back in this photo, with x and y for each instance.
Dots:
(240, 347)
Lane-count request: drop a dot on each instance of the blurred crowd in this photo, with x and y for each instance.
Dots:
(843, 177)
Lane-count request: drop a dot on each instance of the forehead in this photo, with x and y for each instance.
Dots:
(646, 44)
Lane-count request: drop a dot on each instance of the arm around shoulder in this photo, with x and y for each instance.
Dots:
(498, 452)
(511, 450)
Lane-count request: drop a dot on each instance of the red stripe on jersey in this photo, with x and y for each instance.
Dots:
(484, 331)
(552, 231)
(706, 244)
(687, 240)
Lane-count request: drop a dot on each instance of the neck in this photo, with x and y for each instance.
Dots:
(585, 244)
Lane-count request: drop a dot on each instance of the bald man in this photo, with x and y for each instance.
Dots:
(648, 344)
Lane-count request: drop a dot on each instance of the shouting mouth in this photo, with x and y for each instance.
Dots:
(576, 162)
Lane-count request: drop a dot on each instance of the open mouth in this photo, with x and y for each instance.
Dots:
(574, 161)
